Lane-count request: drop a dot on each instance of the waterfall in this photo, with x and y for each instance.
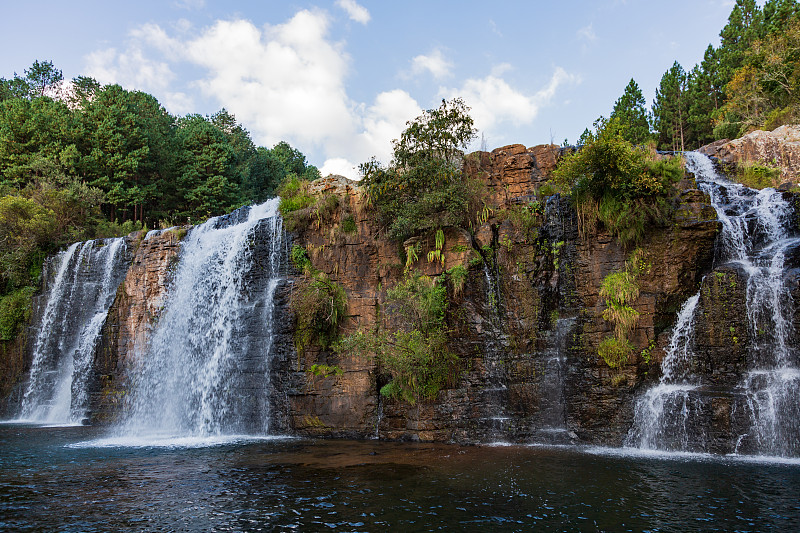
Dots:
(663, 414)
(205, 372)
(756, 237)
(78, 300)
(552, 415)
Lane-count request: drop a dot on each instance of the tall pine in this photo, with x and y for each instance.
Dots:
(670, 109)
(631, 114)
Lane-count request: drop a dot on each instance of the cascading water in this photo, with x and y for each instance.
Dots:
(86, 280)
(206, 370)
(756, 237)
(664, 414)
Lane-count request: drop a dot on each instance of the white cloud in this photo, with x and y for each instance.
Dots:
(340, 166)
(502, 68)
(494, 101)
(494, 28)
(130, 68)
(383, 121)
(355, 11)
(286, 82)
(435, 63)
(587, 32)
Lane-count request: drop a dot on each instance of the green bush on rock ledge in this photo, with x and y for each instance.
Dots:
(624, 187)
(320, 305)
(413, 354)
(424, 188)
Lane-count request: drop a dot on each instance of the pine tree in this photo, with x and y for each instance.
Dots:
(669, 109)
(631, 113)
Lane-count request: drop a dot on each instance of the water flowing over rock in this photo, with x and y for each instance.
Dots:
(199, 339)
(205, 370)
(730, 381)
(78, 299)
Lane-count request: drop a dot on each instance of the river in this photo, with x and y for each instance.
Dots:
(72, 479)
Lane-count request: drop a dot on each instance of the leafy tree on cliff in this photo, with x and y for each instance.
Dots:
(631, 114)
(424, 188)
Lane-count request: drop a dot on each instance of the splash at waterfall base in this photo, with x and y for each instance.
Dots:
(526, 327)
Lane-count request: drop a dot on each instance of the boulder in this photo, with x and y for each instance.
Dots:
(778, 148)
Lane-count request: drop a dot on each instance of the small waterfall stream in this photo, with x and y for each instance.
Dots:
(756, 237)
(552, 415)
(78, 300)
(206, 370)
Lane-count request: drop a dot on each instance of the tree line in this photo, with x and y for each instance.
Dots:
(148, 164)
(749, 81)
(80, 160)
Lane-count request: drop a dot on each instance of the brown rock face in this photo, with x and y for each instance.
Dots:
(779, 148)
(512, 171)
(140, 299)
(526, 326)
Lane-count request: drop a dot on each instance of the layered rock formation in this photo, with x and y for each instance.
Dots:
(526, 326)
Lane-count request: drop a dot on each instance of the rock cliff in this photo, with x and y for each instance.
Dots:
(779, 148)
(526, 326)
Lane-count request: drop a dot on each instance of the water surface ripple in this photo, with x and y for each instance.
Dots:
(47, 483)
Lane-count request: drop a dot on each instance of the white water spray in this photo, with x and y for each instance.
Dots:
(206, 371)
(77, 304)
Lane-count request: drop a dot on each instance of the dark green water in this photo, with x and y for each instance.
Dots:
(48, 484)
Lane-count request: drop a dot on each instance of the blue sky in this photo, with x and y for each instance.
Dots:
(338, 79)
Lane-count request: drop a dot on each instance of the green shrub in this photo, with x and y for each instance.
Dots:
(294, 196)
(611, 181)
(300, 259)
(15, 310)
(457, 276)
(527, 217)
(106, 229)
(349, 224)
(414, 352)
(727, 129)
(424, 188)
(299, 207)
(615, 352)
(757, 176)
(320, 305)
(780, 116)
(620, 290)
(325, 370)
